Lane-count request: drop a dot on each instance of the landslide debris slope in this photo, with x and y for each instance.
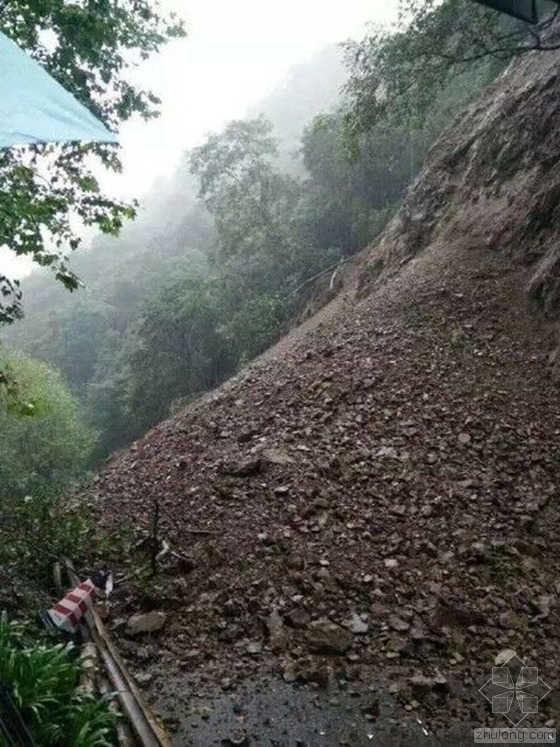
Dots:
(375, 500)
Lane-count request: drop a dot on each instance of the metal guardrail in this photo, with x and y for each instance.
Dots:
(147, 731)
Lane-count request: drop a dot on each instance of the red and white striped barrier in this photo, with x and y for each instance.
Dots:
(66, 614)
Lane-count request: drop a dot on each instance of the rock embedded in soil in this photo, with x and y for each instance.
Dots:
(326, 637)
(276, 632)
(298, 618)
(397, 624)
(144, 678)
(357, 624)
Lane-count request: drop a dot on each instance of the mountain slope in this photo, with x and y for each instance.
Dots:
(392, 466)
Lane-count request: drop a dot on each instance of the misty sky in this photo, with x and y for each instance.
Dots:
(235, 53)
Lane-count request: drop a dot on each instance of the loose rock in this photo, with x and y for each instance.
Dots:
(149, 622)
(326, 637)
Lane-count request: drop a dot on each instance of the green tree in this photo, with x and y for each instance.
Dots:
(46, 190)
(398, 73)
(259, 257)
(348, 201)
(252, 202)
(174, 352)
(44, 444)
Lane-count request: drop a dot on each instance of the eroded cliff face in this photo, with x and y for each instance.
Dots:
(492, 181)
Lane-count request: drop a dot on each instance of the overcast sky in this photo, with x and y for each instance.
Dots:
(235, 53)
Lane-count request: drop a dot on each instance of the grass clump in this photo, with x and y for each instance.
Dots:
(44, 682)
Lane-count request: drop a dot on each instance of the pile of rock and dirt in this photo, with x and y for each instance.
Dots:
(372, 506)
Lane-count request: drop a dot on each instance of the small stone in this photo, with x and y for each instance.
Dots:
(529, 564)
(503, 657)
(296, 562)
(390, 563)
(246, 435)
(388, 451)
(277, 456)
(289, 673)
(232, 608)
(542, 605)
(464, 439)
(397, 624)
(357, 624)
(254, 647)
(143, 678)
(298, 618)
(276, 631)
(150, 622)
(512, 621)
(238, 739)
(242, 467)
(321, 676)
(371, 711)
(421, 684)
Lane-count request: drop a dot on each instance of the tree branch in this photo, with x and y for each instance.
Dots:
(535, 32)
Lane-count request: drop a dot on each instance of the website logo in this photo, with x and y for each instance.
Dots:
(515, 690)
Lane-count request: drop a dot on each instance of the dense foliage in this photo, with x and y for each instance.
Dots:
(43, 681)
(44, 442)
(46, 190)
(45, 446)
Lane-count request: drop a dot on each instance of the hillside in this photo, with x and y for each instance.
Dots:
(392, 466)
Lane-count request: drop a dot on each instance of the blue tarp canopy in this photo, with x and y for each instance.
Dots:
(35, 108)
